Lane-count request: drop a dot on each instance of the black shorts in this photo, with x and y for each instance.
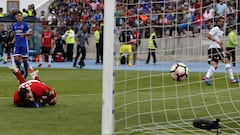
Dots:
(46, 50)
(215, 54)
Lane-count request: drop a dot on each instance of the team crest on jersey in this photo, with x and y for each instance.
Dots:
(22, 26)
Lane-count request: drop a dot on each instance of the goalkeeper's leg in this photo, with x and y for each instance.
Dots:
(118, 59)
(129, 51)
(120, 55)
(130, 59)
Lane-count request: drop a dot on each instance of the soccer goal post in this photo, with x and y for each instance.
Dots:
(107, 85)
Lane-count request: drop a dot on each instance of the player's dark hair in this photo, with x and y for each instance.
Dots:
(221, 17)
(22, 93)
(19, 12)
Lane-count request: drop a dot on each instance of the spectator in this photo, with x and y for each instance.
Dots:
(153, 17)
(143, 17)
(118, 15)
(230, 19)
(42, 16)
(186, 23)
(4, 42)
(52, 18)
(99, 16)
(199, 22)
(85, 15)
(135, 42)
(101, 41)
(152, 46)
(209, 12)
(94, 4)
(82, 39)
(231, 43)
(31, 10)
(170, 21)
(70, 41)
(231, 9)
(238, 18)
(97, 40)
(25, 12)
(1, 12)
(221, 8)
(60, 46)
(47, 43)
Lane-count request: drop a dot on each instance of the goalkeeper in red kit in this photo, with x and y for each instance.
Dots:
(32, 93)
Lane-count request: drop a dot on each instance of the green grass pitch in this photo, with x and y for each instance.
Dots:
(78, 111)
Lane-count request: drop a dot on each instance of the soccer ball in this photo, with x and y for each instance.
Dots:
(179, 71)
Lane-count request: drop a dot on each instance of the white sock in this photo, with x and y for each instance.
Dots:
(229, 71)
(30, 65)
(49, 59)
(12, 60)
(210, 71)
(40, 59)
(5, 57)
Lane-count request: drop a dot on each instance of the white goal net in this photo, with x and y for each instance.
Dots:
(146, 99)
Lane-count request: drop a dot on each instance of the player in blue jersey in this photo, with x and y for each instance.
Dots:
(21, 51)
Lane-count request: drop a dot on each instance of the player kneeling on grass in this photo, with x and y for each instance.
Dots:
(32, 93)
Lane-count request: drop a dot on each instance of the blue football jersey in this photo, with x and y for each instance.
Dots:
(21, 43)
(19, 29)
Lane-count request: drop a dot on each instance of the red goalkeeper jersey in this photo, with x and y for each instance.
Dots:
(40, 91)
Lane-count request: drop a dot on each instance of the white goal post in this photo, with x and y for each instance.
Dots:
(107, 84)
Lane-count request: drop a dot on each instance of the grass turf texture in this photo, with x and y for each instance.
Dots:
(169, 104)
(78, 111)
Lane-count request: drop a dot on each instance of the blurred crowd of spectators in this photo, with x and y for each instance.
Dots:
(76, 13)
(169, 17)
(176, 15)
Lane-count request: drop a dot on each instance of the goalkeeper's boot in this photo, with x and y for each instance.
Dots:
(207, 81)
(13, 68)
(34, 74)
(129, 64)
(234, 81)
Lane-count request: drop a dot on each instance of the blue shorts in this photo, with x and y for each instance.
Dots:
(20, 50)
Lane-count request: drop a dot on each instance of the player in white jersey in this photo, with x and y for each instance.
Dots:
(216, 52)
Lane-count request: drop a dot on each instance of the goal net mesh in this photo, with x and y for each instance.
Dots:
(146, 99)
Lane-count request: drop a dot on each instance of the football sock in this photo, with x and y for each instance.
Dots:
(229, 71)
(18, 64)
(210, 71)
(25, 63)
(49, 59)
(130, 58)
(12, 60)
(19, 77)
(5, 57)
(40, 59)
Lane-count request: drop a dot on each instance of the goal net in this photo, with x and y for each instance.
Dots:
(146, 98)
